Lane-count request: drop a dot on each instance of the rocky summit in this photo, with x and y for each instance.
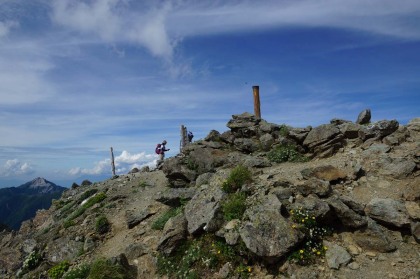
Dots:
(260, 200)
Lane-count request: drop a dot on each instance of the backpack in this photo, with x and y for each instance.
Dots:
(158, 149)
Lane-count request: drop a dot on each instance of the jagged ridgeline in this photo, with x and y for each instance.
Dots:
(18, 204)
(260, 200)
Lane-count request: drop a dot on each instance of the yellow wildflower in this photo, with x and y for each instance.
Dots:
(318, 253)
(249, 269)
(301, 251)
(218, 252)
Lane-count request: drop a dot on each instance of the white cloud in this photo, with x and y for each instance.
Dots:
(113, 22)
(15, 168)
(6, 26)
(123, 163)
(386, 17)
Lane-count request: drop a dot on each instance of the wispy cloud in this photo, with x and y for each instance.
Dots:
(15, 167)
(6, 26)
(123, 163)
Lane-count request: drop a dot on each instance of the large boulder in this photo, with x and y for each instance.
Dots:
(174, 196)
(347, 216)
(314, 186)
(267, 233)
(203, 211)
(299, 134)
(336, 255)
(324, 140)
(178, 173)
(243, 125)
(317, 207)
(364, 117)
(373, 237)
(388, 211)
(378, 130)
(327, 173)
(174, 233)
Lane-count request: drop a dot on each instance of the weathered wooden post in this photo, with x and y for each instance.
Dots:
(112, 162)
(256, 91)
(184, 139)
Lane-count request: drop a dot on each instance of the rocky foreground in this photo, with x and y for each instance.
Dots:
(358, 182)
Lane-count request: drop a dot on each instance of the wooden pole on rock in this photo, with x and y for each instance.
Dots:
(183, 141)
(112, 162)
(256, 91)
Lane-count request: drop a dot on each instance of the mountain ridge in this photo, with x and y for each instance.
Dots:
(359, 180)
(20, 203)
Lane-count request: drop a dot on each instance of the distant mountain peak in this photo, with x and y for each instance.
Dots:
(40, 185)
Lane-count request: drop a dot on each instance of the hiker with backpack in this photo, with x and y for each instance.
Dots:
(160, 150)
(190, 136)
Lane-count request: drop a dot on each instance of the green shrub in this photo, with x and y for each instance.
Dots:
(102, 225)
(90, 202)
(102, 269)
(57, 271)
(313, 241)
(286, 153)
(202, 257)
(233, 207)
(32, 260)
(284, 130)
(87, 194)
(143, 184)
(80, 272)
(160, 222)
(191, 164)
(237, 177)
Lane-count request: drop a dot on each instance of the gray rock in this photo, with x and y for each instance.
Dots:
(379, 129)
(203, 179)
(230, 232)
(413, 210)
(317, 207)
(203, 210)
(174, 233)
(397, 137)
(374, 238)
(256, 162)
(336, 255)
(396, 167)
(364, 117)
(328, 173)
(348, 217)
(178, 173)
(357, 207)
(324, 140)
(29, 245)
(415, 231)
(283, 194)
(314, 186)
(350, 130)
(267, 233)
(388, 211)
(299, 134)
(246, 145)
(213, 136)
(88, 245)
(243, 125)
(266, 141)
(135, 218)
(173, 196)
(135, 250)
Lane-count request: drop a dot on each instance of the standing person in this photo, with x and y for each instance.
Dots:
(190, 136)
(160, 149)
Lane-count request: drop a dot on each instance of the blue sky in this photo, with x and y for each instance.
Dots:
(77, 77)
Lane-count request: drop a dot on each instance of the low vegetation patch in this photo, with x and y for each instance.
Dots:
(79, 272)
(312, 247)
(233, 207)
(32, 261)
(160, 222)
(57, 271)
(102, 225)
(284, 130)
(90, 202)
(237, 178)
(202, 257)
(286, 153)
(87, 194)
(103, 268)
